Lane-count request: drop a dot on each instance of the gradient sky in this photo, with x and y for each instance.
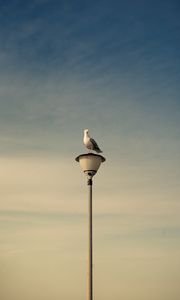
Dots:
(112, 67)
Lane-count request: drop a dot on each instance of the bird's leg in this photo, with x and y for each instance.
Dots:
(89, 150)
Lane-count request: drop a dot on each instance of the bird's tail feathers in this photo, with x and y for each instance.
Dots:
(98, 150)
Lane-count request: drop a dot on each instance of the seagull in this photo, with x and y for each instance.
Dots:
(90, 143)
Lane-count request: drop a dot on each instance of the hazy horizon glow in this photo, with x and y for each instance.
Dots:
(113, 68)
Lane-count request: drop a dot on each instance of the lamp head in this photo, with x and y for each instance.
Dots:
(90, 163)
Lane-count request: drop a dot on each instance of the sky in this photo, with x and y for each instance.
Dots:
(113, 67)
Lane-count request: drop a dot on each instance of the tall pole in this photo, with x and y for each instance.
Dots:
(90, 164)
(90, 250)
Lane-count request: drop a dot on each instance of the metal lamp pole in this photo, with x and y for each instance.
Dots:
(90, 163)
(90, 254)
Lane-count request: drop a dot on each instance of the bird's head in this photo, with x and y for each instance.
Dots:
(86, 131)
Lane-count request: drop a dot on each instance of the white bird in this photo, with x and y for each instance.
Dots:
(90, 143)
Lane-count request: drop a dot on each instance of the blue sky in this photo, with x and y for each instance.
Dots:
(119, 63)
(112, 67)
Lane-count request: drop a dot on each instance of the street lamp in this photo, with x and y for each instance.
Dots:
(90, 163)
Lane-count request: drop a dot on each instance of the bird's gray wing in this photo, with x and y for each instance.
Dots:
(95, 145)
